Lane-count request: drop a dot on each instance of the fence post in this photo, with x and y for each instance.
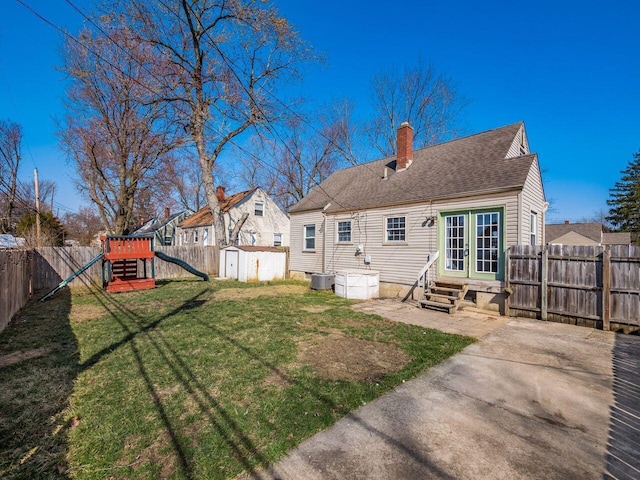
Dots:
(606, 289)
(507, 264)
(544, 282)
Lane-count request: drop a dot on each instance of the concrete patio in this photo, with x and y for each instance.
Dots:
(530, 400)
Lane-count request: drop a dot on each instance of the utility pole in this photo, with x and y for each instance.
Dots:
(37, 189)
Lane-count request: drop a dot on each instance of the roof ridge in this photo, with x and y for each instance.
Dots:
(390, 157)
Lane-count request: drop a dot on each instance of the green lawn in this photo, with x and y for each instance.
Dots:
(191, 379)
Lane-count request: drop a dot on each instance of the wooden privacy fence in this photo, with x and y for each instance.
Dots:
(53, 264)
(583, 285)
(15, 283)
(23, 272)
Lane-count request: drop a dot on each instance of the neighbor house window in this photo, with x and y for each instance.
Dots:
(533, 227)
(185, 238)
(195, 236)
(205, 237)
(277, 239)
(309, 237)
(258, 209)
(396, 229)
(344, 231)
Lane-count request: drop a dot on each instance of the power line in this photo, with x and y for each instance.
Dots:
(208, 126)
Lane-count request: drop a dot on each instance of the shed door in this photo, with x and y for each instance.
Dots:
(231, 264)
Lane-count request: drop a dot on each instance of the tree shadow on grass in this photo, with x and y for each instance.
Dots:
(38, 366)
(623, 447)
(139, 331)
(243, 448)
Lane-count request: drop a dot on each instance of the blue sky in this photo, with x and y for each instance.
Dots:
(569, 69)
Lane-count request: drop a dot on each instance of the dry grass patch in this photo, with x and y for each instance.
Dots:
(340, 357)
(316, 308)
(279, 380)
(83, 313)
(267, 291)
(21, 355)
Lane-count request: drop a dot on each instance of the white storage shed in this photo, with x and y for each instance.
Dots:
(249, 263)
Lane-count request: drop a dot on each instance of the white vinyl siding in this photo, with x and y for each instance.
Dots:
(519, 144)
(401, 262)
(306, 261)
(532, 202)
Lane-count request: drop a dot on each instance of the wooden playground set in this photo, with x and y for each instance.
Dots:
(128, 263)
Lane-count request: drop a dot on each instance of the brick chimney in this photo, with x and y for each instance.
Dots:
(167, 212)
(566, 222)
(220, 193)
(405, 146)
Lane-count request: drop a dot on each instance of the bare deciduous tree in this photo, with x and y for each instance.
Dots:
(10, 156)
(184, 178)
(113, 131)
(226, 61)
(427, 100)
(83, 225)
(305, 153)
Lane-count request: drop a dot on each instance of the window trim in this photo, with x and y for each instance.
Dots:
(344, 242)
(255, 208)
(385, 239)
(275, 244)
(305, 238)
(533, 228)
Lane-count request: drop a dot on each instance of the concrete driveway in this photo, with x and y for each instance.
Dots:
(531, 400)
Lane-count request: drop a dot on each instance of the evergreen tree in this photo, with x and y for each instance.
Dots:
(624, 211)
(52, 231)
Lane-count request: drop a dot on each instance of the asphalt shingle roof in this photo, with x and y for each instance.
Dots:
(592, 230)
(469, 165)
(203, 216)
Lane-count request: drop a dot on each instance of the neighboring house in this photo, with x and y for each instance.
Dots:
(578, 234)
(9, 241)
(582, 234)
(164, 230)
(468, 199)
(266, 224)
(617, 238)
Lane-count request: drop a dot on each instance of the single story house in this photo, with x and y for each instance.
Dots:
(468, 199)
(584, 234)
(265, 226)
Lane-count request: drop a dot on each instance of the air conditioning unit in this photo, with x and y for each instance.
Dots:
(322, 281)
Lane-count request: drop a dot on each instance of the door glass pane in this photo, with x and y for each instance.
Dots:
(487, 242)
(454, 243)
